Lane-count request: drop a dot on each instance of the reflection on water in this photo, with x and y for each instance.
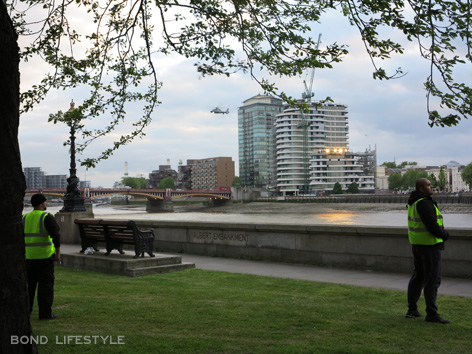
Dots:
(338, 218)
(326, 217)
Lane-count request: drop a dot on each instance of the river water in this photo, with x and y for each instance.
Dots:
(323, 216)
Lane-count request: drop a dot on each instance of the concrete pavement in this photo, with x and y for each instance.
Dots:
(395, 281)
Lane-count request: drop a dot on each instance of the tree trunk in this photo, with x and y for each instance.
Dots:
(14, 316)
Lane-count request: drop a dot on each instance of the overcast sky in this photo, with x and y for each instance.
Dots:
(388, 115)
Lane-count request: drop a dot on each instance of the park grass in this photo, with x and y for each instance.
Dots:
(198, 311)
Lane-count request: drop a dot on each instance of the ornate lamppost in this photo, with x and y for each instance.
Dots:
(73, 200)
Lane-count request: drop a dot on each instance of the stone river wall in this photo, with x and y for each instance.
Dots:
(363, 247)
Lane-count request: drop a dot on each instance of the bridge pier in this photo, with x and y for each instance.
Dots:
(219, 202)
(159, 206)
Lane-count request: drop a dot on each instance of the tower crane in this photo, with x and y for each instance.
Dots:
(307, 95)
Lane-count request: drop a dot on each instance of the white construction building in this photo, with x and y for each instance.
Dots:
(312, 151)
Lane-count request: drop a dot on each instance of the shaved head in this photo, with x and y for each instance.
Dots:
(420, 183)
(423, 185)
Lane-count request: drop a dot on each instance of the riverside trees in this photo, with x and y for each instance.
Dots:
(467, 175)
(108, 46)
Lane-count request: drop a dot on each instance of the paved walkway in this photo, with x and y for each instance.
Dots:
(396, 281)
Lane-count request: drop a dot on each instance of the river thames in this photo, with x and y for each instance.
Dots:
(298, 214)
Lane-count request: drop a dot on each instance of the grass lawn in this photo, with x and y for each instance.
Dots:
(198, 311)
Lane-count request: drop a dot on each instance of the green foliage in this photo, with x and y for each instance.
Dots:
(135, 182)
(395, 181)
(467, 175)
(442, 179)
(237, 182)
(401, 165)
(409, 178)
(389, 164)
(109, 50)
(432, 178)
(167, 182)
(406, 163)
(337, 189)
(353, 188)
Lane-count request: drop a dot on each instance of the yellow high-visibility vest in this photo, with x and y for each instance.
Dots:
(417, 232)
(38, 242)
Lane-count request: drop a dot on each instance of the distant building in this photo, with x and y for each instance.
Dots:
(85, 184)
(368, 162)
(212, 173)
(256, 138)
(381, 178)
(331, 166)
(156, 176)
(55, 181)
(118, 184)
(453, 171)
(37, 179)
(34, 177)
(184, 178)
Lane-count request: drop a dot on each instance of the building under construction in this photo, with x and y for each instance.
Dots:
(313, 154)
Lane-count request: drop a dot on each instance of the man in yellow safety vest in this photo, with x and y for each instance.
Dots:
(427, 235)
(42, 242)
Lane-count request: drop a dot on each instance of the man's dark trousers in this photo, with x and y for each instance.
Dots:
(41, 275)
(427, 276)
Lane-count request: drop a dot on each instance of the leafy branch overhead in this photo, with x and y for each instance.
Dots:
(112, 47)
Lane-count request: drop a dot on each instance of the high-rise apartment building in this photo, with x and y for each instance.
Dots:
(55, 181)
(34, 177)
(282, 148)
(256, 137)
(212, 173)
(312, 151)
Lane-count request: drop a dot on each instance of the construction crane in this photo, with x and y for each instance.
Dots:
(307, 95)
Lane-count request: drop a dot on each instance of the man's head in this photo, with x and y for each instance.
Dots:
(37, 201)
(424, 186)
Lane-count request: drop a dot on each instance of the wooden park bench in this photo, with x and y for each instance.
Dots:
(115, 234)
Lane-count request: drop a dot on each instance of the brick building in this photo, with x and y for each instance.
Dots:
(212, 173)
(156, 176)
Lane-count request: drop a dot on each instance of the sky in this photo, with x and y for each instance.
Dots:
(389, 116)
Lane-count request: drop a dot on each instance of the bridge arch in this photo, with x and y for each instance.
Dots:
(61, 195)
(152, 195)
(135, 194)
(201, 195)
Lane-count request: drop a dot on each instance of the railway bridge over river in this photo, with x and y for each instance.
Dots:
(157, 199)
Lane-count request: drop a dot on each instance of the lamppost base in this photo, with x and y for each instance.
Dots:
(73, 204)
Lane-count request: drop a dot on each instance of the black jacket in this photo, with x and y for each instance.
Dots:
(427, 211)
(53, 228)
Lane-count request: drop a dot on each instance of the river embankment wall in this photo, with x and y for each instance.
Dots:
(361, 247)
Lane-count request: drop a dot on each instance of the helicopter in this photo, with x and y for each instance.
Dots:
(217, 110)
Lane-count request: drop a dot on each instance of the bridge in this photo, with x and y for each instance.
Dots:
(157, 199)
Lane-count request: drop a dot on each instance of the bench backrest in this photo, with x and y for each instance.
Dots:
(91, 228)
(100, 229)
